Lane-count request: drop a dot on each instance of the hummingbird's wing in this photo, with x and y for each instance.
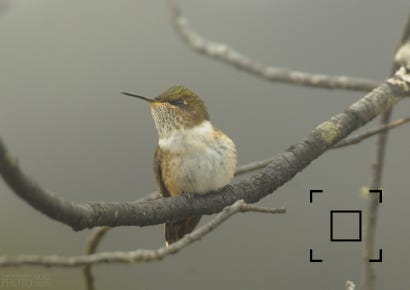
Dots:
(177, 229)
(158, 174)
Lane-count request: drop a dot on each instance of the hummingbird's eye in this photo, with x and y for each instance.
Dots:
(178, 102)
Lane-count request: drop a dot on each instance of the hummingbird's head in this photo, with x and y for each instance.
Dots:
(177, 108)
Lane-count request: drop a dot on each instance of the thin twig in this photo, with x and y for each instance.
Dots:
(369, 276)
(252, 166)
(232, 57)
(371, 132)
(95, 239)
(92, 244)
(255, 165)
(368, 281)
(138, 255)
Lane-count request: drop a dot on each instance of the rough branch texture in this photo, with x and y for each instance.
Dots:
(283, 167)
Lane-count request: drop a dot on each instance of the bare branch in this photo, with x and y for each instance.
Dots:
(138, 255)
(98, 234)
(95, 239)
(282, 168)
(368, 273)
(232, 57)
(92, 244)
(101, 231)
(371, 132)
(255, 165)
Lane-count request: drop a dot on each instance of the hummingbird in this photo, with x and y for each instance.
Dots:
(192, 155)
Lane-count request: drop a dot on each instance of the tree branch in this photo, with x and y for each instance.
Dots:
(138, 255)
(92, 244)
(283, 167)
(402, 57)
(370, 220)
(371, 132)
(232, 57)
(98, 234)
(95, 239)
(255, 165)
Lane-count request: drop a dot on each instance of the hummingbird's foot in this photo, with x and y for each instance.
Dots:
(190, 195)
(228, 187)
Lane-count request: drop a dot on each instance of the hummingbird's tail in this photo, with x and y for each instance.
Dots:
(178, 229)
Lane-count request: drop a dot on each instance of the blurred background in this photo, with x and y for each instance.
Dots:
(63, 66)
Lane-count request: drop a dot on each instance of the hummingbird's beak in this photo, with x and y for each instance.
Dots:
(139, 97)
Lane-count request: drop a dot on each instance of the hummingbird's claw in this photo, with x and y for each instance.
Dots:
(190, 195)
(228, 187)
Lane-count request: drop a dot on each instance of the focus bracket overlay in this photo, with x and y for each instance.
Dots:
(337, 213)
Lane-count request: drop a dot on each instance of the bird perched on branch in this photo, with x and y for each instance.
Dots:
(192, 155)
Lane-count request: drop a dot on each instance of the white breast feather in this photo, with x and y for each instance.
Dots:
(205, 163)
